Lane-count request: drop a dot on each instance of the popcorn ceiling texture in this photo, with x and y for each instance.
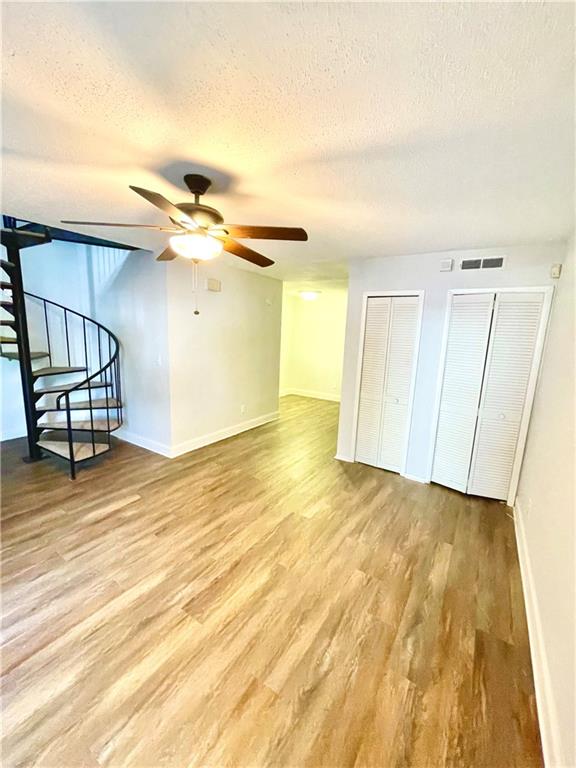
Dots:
(382, 128)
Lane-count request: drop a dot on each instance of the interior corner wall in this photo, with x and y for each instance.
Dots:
(57, 271)
(224, 362)
(128, 295)
(545, 521)
(312, 349)
(524, 266)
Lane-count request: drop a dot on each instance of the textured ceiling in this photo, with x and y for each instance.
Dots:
(382, 128)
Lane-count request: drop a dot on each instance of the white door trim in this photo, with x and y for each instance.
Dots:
(374, 294)
(548, 291)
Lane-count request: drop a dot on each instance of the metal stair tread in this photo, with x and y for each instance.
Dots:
(65, 387)
(14, 355)
(84, 405)
(6, 264)
(54, 370)
(8, 340)
(80, 451)
(99, 425)
(5, 285)
(7, 322)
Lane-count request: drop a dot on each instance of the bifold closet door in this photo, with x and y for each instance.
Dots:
(374, 357)
(467, 344)
(509, 363)
(387, 366)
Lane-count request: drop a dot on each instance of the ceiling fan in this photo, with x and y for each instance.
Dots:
(199, 232)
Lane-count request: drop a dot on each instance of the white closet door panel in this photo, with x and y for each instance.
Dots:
(454, 443)
(397, 382)
(372, 378)
(393, 436)
(467, 342)
(517, 318)
(401, 347)
(494, 451)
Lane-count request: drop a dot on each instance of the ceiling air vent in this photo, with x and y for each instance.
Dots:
(491, 262)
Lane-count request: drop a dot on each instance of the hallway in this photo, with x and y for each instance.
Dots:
(258, 603)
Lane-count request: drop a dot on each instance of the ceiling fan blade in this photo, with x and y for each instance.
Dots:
(116, 224)
(166, 255)
(245, 253)
(266, 233)
(165, 205)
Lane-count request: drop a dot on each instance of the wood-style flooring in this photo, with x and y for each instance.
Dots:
(258, 603)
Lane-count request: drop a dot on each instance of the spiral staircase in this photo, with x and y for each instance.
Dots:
(69, 366)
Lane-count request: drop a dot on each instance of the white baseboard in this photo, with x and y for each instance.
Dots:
(143, 442)
(416, 479)
(221, 434)
(551, 740)
(312, 393)
(171, 452)
(341, 457)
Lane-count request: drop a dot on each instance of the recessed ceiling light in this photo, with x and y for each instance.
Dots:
(309, 295)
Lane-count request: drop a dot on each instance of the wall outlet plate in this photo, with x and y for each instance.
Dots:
(446, 265)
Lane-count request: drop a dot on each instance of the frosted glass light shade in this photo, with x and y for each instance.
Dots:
(196, 245)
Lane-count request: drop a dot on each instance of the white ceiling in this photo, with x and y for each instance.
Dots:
(381, 128)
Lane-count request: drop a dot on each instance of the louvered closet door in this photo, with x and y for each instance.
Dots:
(515, 327)
(397, 381)
(372, 379)
(467, 344)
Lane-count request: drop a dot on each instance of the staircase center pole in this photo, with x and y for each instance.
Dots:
(21, 325)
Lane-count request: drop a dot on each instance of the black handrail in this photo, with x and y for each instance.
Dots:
(111, 366)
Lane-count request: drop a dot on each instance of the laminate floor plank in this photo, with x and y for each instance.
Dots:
(257, 603)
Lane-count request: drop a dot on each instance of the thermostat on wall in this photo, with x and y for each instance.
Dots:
(213, 285)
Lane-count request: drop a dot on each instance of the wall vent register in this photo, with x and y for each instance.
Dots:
(490, 262)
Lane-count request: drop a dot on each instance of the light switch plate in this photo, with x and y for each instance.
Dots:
(556, 270)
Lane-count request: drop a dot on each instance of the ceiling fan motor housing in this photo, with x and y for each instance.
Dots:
(201, 214)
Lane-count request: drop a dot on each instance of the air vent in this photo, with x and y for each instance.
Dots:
(471, 264)
(491, 262)
(494, 262)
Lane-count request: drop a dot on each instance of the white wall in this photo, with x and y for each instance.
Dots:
(313, 332)
(545, 519)
(57, 271)
(187, 380)
(224, 362)
(128, 295)
(525, 266)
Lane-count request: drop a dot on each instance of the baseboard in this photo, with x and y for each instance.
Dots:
(341, 457)
(143, 442)
(312, 393)
(551, 740)
(221, 434)
(416, 479)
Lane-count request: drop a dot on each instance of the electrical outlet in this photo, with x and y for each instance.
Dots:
(242, 409)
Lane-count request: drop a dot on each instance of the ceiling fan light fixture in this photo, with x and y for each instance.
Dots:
(196, 245)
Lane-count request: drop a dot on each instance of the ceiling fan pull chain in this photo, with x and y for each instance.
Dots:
(195, 286)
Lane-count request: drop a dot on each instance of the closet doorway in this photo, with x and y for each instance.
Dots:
(387, 370)
(493, 341)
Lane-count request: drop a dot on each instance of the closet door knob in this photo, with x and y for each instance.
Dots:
(501, 415)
